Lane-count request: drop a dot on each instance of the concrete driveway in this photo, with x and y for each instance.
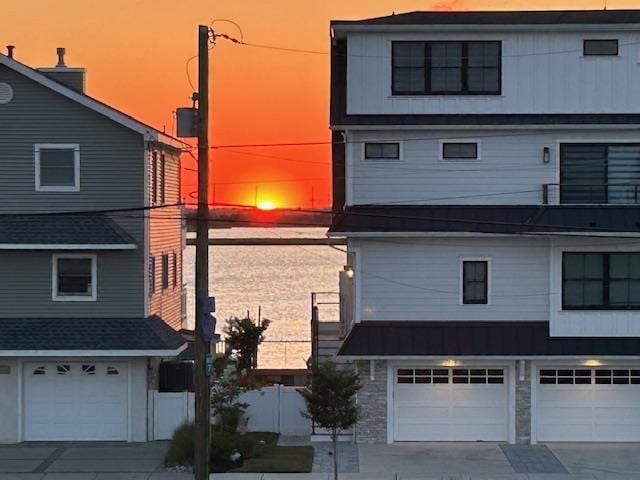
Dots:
(493, 461)
(85, 461)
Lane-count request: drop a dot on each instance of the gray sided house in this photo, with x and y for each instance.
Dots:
(90, 260)
(486, 173)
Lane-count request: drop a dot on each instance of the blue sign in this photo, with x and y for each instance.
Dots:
(208, 324)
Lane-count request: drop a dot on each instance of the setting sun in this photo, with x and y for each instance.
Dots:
(266, 205)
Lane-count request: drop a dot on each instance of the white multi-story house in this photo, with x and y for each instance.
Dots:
(486, 171)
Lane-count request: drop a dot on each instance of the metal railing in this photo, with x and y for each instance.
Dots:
(322, 303)
(617, 193)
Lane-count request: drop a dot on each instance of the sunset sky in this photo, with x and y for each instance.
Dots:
(135, 52)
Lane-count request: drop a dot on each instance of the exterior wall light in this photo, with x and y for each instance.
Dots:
(348, 270)
(546, 155)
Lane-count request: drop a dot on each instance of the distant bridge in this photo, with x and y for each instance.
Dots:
(271, 241)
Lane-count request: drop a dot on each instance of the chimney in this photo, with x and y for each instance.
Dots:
(70, 76)
(10, 49)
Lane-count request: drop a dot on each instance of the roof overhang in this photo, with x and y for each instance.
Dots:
(374, 234)
(583, 127)
(149, 133)
(93, 353)
(343, 29)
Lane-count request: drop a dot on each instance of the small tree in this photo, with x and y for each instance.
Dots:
(225, 392)
(244, 336)
(330, 400)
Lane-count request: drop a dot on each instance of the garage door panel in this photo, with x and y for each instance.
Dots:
(600, 410)
(76, 401)
(448, 411)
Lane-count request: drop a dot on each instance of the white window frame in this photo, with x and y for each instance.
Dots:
(94, 278)
(59, 146)
(461, 140)
(368, 160)
(461, 261)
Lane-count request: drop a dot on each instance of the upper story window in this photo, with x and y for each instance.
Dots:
(599, 47)
(446, 68)
(475, 282)
(381, 151)
(74, 277)
(163, 183)
(600, 281)
(154, 178)
(152, 274)
(165, 271)
(459, 150)
(57, 167)
(600, 173)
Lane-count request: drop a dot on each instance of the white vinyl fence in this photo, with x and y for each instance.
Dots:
(276, 409)
(271, 409)
(170, 410)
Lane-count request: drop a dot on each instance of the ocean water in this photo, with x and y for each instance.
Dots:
(278, 280)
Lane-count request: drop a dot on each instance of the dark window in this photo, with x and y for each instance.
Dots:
(154, 178)
(600, 281)
(163, 186)
(381, 151)
(74, 277)
(165, 271)
(459, 151)
(175, 269)
(152, 274)
(474, 282)
(441, 68)
(600, 47)
(57, 168)
(600, 173)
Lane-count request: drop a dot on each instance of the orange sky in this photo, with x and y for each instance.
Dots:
(135, 53)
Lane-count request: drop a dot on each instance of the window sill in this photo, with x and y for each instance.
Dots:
(459, 95)
(74, 299)
(58, 189)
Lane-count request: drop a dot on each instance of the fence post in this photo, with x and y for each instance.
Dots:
(279, 403)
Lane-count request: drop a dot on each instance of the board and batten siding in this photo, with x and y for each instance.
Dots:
(111, 177)
(165, 236)
(417, 279)
(541, 73)
(510, 170)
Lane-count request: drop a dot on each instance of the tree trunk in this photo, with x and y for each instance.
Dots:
(334, 439)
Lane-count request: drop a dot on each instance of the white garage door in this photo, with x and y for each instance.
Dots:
(75, 401)
(588, 404)
(450, 404)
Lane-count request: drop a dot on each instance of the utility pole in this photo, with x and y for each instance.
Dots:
(205, 324)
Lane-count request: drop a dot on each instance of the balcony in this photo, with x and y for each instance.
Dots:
(626, 193)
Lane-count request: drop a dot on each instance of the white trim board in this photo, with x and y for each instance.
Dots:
(67, 246)
(149, 133)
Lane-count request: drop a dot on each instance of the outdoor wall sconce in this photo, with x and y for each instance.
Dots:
(546, 155)
(348, 270)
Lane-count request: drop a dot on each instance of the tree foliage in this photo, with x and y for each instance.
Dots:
(330, 400)
(243, 336)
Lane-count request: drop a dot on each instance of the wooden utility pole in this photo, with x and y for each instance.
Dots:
(203, 343)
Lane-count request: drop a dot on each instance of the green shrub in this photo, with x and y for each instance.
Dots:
(181, 449)
(223, 444)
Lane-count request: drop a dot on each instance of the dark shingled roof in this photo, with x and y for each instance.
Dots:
(500, 219)
(540, 17)
(94, 229)
(515, 338)
(88, 334)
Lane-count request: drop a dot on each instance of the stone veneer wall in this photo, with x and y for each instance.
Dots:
(523, 404)
(372, 399)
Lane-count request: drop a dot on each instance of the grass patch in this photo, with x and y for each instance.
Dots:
(272, 458)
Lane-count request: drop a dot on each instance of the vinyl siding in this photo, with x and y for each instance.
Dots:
(510, 170)
(541, 73)
(419, 279)
(111, 177)
(165, 236)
